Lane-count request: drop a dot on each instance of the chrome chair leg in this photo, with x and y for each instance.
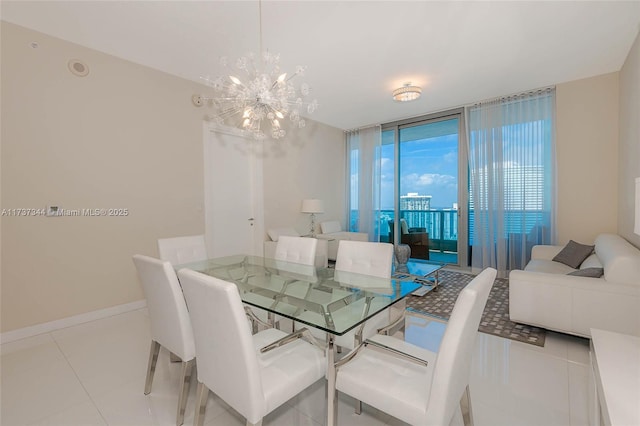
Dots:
(187, 368)
(332, 393)
(358, 407)
(465, 406)
(151, 367)
(201, 404)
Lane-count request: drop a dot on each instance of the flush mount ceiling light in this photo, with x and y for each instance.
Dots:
(256, 90)
(407, 93)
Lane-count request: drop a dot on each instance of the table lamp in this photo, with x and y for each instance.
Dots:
(312, 206)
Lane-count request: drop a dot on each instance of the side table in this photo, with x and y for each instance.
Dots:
(615, 363)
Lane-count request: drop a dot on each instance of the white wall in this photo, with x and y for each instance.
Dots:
(629, 152)
(125, 136)
(312, 166)
(599, 153)
(587, 157)
(122, 137)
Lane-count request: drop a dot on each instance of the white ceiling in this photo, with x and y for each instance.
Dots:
(357, 52)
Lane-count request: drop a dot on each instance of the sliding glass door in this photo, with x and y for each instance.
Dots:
(424, 189)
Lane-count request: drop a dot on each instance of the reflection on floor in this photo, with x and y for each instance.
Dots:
(444, 257)
(93, 374)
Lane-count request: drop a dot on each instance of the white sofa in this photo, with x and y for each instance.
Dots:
(275, 233)
(544, 295)
(333, 233)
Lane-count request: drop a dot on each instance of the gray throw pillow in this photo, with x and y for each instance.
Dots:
(588, 272)
(573, 254)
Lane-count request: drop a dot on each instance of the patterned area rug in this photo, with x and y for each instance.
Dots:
(495, 318)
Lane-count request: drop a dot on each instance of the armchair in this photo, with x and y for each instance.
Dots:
(333, 233)
(416, 238)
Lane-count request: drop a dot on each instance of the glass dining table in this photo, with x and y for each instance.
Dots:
(324, 299)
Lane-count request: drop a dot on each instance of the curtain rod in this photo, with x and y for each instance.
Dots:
(498, 98)
(361, 128)
(514, 96)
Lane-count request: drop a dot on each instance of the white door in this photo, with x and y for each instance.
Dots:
(233, 194)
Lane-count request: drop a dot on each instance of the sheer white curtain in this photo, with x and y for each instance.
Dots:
(512, 178)
(363, 152)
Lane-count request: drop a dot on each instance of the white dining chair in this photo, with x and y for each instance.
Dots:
(354, 260)
(180, 250)
(365, 258)
(254, 374)
(299, 250)
(170, 322)
(413, 384)
(294, 258)
(193, 248)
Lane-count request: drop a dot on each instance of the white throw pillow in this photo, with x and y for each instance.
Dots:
(591, 262)
(404, 228)
(275, 233)
(330, 227)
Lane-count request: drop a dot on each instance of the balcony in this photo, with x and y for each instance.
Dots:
(530, 226)
(442, 226)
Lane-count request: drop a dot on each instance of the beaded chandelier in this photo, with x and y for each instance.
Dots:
(254, 95)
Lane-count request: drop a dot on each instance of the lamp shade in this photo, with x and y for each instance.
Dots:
(312, 206)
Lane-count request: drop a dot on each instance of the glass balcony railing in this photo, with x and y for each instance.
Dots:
(442, 226)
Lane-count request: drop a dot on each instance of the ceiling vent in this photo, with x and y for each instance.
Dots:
(78, 68)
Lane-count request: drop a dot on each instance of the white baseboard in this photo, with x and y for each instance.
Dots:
(47, 327)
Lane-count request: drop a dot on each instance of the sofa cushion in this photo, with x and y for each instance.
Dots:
(330, 227)
(404, 228)
(573, 254)
(591, 262)
(588, 272)
(547, 267)
(275, 233)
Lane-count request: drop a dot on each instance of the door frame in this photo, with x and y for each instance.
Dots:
(463, 174)
(255, 191)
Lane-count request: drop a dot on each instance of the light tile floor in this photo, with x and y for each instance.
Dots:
(93, 374)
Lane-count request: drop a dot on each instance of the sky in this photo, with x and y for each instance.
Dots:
(427, 166)
(429, 163)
